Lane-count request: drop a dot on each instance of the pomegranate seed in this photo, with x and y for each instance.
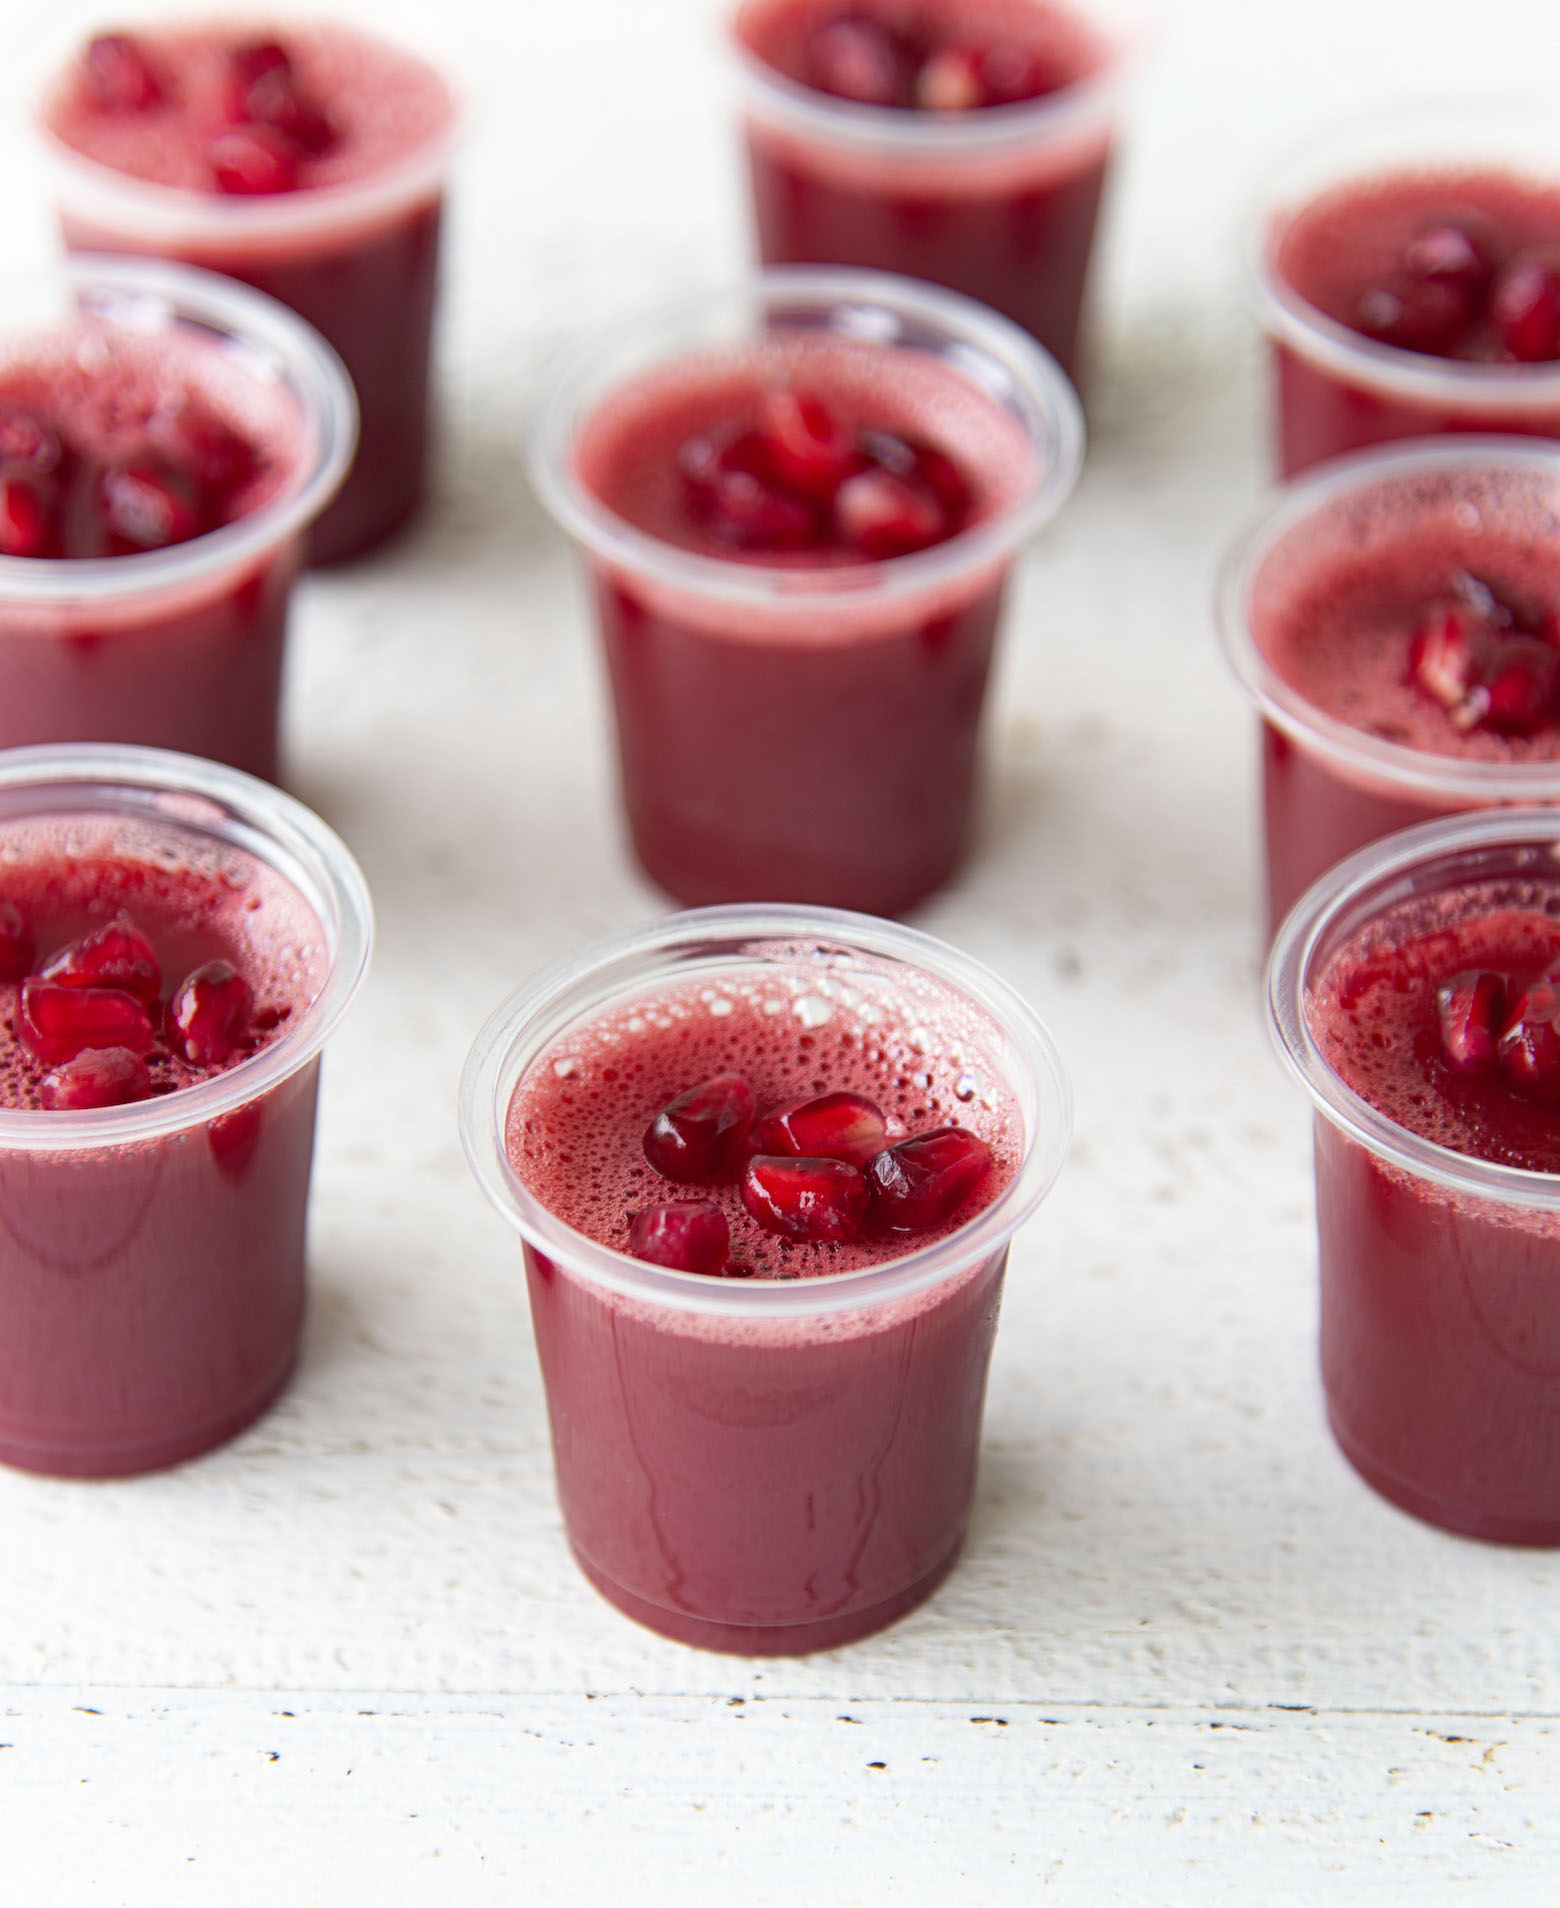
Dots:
(816, 1201)
(882, 515)
(923, 1181)
(951, 81)
(688, 1238)
(145, 505)
(55, 1023)
(234, 1139)
(258, 61)
(699, 1135)
(731, 490)
(251, 161)
(216, 459)
(1471, 1008)
(27, 523)
(1525, 305)
(209, 1014)
(1010, 73)
(119, 78)
(924, 465)
(860, 60)
(1484, 672)
(17, 949)
(809, 448)
(263, 90)
(26, 441)
(1433, 315)
(834, 1126)
(1462, 253)
(1529, 1046)
(115, 955)
(102, 1076)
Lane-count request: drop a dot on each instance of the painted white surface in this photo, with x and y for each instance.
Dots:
(1187, 1656)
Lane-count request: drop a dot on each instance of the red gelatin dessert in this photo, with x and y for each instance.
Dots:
(163, 996)
(964, 142)
(308, 162)
(765, 1381)
(1423, 1019)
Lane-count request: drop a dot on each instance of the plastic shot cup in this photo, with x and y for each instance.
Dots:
(152, 1255)
(1412, 514)
(768, 1465)
(1335, 389)
(180, 647)
(999, 203)
(1440, 1273)
(791, 731)
(357, 260)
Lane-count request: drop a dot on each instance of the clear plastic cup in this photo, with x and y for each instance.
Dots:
(178, 648)
(767, 1465)
(808, 734)
(1000, 204)
(1440, 1273)
(1330, 787)
(1336, 390)
(358, 261)
(152, 1255)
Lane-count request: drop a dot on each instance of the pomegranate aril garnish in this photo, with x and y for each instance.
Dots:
(55, 1023)
(1529, 1047)
(266, 92)
(951, 81)
(253, 161)
(1456, 252)
(810, 449)
(688, 1238)
(857, 59)
(923, 1181)
(144, 504)
(209, 1014)
(1486, 672)
(923, 464)
(119, 77)
(813, 1201)
(215, 457)
(102, 1076)
(17, 948)
(28, 442)
(117, 954)
(1010, 73)
(1525, 305)
(732, 490)
(843, 1126)
(882, 515)
(700, 1134)
(1471, 1009)
(28, 524)
(1432, 315)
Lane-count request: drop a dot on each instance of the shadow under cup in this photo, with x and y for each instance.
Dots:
(152, 1255)
(1440, 1273)
(766, 1466)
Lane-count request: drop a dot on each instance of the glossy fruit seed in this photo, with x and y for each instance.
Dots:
(1471, 1009)
(115, 955)
(1529, 1046)
(1525, 305)
(119, 79)
(693, 1237)
(209, 1014)
(813, 1201)
(104, 1076)
(843, 1126)
(922, 1182)
(699, 1135)
(55, 1023)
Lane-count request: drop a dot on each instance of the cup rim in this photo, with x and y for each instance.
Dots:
(1417, 771)
(895, 133)
(144, 293)
(192, 795)
(566, 990)
(1364, 884)
(875, 306)
(1305, 171)
(164, 215)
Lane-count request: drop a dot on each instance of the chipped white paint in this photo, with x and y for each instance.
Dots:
(1187, 1657)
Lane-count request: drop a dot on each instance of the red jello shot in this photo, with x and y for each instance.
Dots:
(765, 1164)
(307, 160)
(799, 502)
(1407, 274)
(177, 943)
(965, 142)
(166, 439)
(1395, 619)
(1413, 992)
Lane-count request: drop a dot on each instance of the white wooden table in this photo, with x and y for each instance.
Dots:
(1187, 1657)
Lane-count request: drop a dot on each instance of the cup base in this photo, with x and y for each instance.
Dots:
(121, 1459)
(1465, 1520)
(770, 1639)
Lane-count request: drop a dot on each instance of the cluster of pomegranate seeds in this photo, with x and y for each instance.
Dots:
(816, 1173)
(1489, 663)
(93, 1012)
(800, 479)
(858, 57)
(57, 502)
(1455, 292)
(1491, 1025)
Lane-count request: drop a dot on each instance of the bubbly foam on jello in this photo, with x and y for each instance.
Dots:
(575, 1126)
(195, 899)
